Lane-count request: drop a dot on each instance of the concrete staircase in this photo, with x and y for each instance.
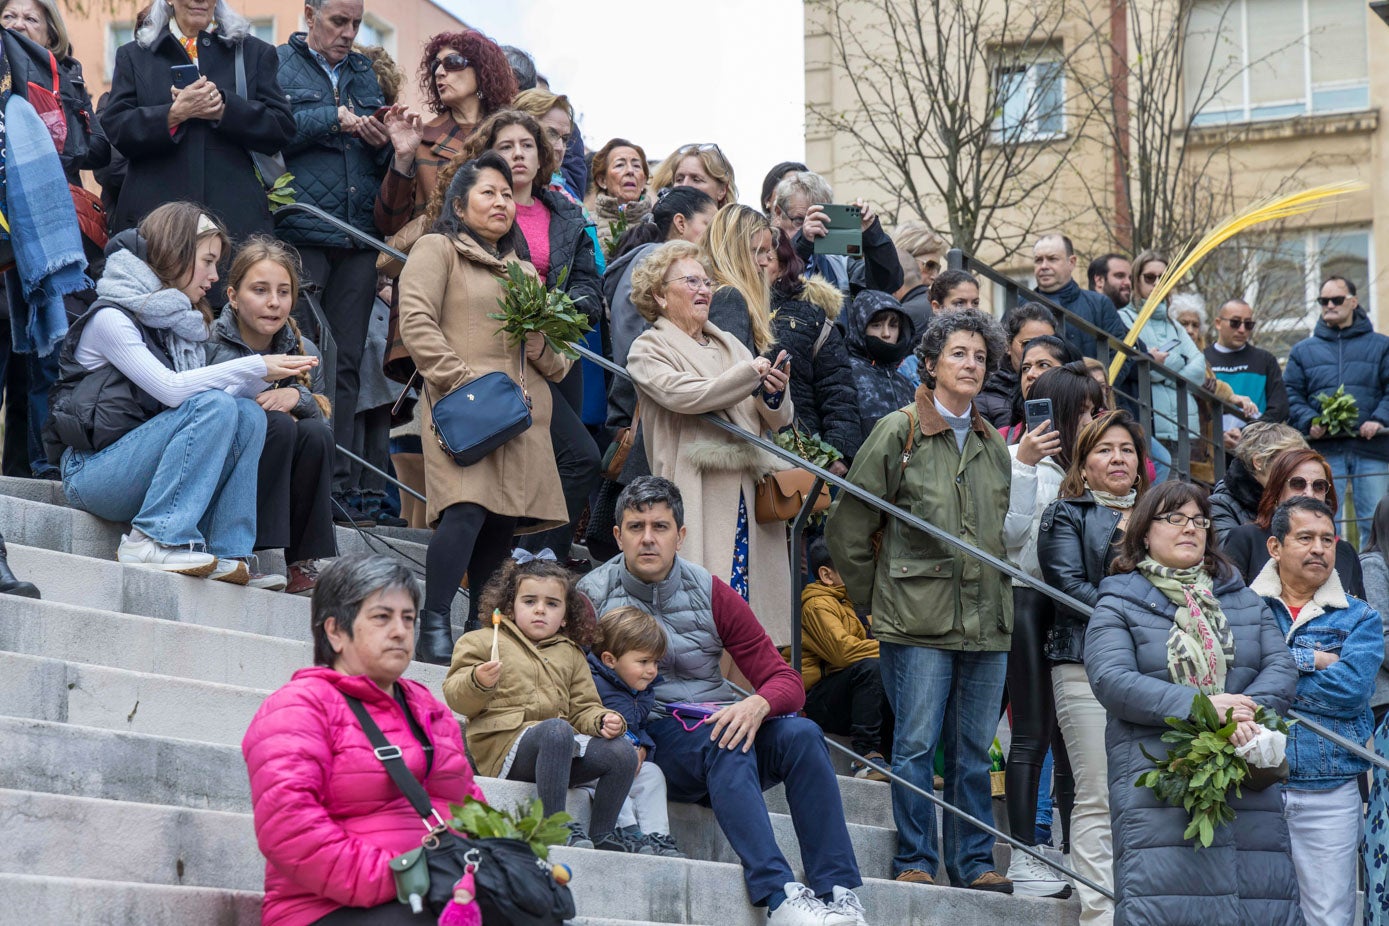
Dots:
(124, 695)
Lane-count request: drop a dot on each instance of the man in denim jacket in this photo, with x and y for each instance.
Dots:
(1338, 643)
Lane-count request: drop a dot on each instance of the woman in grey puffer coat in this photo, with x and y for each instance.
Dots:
(1246, 877)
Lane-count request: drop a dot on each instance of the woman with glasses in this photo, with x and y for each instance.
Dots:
(703, 167)
(617, 195)
(556, 116)
(1293, 472)
(683, 366)
(465, 78)
(1171, 622)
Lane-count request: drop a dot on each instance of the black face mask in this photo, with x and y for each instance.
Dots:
(882, 351)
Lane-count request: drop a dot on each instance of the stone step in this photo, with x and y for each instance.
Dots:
(71, 837)
(61, 901)
(166, 647)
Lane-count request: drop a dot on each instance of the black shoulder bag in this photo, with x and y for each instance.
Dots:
(513, 885)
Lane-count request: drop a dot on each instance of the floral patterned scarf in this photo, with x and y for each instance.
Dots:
(1200, 648)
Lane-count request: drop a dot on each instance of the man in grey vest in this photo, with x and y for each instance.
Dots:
(733, 755)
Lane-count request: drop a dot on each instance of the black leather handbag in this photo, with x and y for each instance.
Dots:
(514, 886)
(482, 414)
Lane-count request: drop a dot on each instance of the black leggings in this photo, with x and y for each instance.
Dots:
(469, 539)
(388, 914)
(548, 756)
(1034, 719)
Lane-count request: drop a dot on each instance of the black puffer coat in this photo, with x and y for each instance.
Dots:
(822, 382)
(880, 388)
(995, 400)
(1235, 499)
(1246, 877)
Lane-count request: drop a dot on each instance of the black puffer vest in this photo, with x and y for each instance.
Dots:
(90, 410)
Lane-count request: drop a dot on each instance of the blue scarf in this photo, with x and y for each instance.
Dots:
(43, 228)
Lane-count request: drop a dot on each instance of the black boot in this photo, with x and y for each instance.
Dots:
(434, 638)
(9, 585)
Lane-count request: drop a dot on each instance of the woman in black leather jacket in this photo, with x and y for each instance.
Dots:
(1078, 539)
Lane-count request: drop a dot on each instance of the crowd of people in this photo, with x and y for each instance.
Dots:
(626, 544)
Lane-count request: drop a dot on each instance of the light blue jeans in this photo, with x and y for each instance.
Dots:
(951, 697)
(1369, 476)
(186, 476)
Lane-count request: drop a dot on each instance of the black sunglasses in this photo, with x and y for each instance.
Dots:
(1328, 301)
(1299, 484)
(1238, 323)
(451, 62)
(1151, 278)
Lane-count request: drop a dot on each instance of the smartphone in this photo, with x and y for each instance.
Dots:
(184, 75)
(845, 231)
(381, 112)
(1035, 411)
(1170, 345)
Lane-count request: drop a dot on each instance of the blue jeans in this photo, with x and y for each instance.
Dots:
(185, 477)
(789, 750)
(1368, 475)
(1162, 459)
(951, 697)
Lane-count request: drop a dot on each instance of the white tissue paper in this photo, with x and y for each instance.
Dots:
(1267, 750)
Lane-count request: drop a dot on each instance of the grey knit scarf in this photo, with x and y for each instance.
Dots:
(130, 283)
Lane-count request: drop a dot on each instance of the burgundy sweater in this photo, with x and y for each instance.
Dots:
(754, 653)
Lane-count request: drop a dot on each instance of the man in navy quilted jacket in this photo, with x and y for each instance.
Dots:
(1345, 350)
(338, 156)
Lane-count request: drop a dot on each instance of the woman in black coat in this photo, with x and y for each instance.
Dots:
(1293, 472)
(195, 144)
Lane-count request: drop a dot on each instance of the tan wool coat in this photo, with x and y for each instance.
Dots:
(449, 286)
(539, 681)
(676, 380)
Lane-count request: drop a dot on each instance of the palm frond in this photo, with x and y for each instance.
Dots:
(1265, 210)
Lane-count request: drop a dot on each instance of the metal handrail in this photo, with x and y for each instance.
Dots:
(873, 501)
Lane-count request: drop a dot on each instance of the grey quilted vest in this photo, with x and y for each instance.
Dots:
(683, 603)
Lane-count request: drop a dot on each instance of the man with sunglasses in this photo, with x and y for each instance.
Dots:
(1345, 350)
(1251, 371)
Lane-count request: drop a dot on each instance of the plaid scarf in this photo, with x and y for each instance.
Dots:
(1200, 648)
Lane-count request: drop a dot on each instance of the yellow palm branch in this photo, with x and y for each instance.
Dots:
(1266, 210)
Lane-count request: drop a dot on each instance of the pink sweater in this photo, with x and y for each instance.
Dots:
(328, 817)
(535, 226)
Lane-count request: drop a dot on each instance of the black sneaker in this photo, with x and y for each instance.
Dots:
(578, 839)
(620, 841)
(349, 515)
(662, 844)
(385, 519)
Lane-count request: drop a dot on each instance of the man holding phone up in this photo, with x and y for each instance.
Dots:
(338, 156)
(798, 210)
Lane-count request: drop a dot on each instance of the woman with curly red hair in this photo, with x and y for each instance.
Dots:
(465, 78)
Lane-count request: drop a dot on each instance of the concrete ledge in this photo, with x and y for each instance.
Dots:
(51, 901)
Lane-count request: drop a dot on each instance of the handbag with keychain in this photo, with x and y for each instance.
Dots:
(270, 167)
(781, 494)
(479, 416)
(512, 885)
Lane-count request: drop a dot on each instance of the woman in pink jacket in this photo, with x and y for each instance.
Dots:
(328, 818)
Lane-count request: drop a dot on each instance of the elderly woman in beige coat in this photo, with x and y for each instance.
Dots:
(682, 366)
(450, 284)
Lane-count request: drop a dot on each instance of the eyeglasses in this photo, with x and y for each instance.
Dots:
(452, 62)
(693, 282)
(1319, 486)
(1328, 301)
(555, 136)
(1237, 323)
(707, 146)
(1151, 278)
(796, 220)
(1177, 519)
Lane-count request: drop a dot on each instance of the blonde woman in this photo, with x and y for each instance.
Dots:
(739, 249)
(683, 366)
(703, 167)
(556, 116)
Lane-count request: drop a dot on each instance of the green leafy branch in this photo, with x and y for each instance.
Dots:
(1339, 412)
(530, 306)
(1202, 768)
(281, 193)
(527, 823)
(811, 447)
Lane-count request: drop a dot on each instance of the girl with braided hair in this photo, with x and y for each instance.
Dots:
(294, 508)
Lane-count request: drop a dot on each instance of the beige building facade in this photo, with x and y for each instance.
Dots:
(1273, 96)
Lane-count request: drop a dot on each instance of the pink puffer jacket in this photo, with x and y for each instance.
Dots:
(328, 818)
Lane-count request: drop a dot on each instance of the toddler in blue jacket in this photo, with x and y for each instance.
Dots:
(623, 661)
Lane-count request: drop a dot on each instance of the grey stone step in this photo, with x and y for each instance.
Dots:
(57, 901)
(70, 837)
(176, 648)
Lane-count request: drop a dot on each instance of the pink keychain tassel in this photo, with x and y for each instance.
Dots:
(463, 909)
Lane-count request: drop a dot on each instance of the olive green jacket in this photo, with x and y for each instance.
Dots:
(922, 592)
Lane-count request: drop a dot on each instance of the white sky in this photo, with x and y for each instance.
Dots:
(665, 74)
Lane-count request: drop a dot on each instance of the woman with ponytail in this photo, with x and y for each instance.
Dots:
(294, 507)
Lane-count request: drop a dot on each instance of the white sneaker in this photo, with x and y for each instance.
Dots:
(1032, 878)
(802, 908)
(846, 903)
(146, 552)
(271, 582)
(231, 571)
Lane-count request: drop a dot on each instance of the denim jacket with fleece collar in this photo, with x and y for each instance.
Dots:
(1338, 696)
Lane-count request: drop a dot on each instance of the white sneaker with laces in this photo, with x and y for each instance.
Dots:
(148, 552)
(846, 903)
(1032, 878)
(802, 908)
(231, 571)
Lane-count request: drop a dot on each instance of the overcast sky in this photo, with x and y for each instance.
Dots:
(666, 74)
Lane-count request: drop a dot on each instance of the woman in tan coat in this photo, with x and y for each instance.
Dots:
(684, 366)
(451, 283)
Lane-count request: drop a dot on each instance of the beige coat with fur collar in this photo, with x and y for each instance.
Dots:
(677, 379)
